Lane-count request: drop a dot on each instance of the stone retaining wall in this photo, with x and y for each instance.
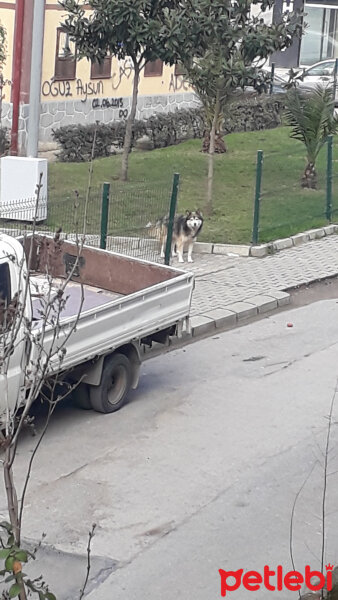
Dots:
(58, 113)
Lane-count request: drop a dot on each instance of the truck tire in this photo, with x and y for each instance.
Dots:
(115, 384)
(80, 395)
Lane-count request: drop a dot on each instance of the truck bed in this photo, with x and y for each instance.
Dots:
(80, 298)
(125, 299)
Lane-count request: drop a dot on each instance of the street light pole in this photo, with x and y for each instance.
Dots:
(35, 78)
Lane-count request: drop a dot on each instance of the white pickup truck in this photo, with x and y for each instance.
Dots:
(119, 303)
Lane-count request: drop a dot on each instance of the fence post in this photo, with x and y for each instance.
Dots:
(104, 215)
(272, 77)
(255, 226)
(329, 177)
(172, 210)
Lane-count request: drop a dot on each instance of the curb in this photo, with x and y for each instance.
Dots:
(263, 250)
(125, 243)
(238, 312)
(223, 319)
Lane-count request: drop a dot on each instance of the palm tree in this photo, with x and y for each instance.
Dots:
(312, 119)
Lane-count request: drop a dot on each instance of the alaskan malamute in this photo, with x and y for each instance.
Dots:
(185, 231)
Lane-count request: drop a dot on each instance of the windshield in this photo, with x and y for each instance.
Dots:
(325, 68)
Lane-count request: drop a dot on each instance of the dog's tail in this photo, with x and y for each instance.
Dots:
(157, 230)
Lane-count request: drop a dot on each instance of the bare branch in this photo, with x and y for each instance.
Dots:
(293, 515)
(44, 364)
(91, 535)
(326, 458)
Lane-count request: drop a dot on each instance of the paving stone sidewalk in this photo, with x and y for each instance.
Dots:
(223, 281)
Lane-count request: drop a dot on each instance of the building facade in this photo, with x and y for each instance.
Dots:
(80, 92)
(320, 37)
(75, 91)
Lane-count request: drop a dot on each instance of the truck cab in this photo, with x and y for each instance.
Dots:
(15, 313)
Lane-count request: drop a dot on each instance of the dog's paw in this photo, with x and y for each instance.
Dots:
(180, 260)
(190, 260)
(162, 255)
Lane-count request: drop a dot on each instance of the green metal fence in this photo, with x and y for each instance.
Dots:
(134, 215)
(282, 207)
(123, 217)
(269, 204)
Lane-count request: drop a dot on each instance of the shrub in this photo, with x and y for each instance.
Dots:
(4, 141)
(76, 141)
(166, 129)
(253, 113)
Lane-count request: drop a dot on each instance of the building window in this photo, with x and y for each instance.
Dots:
(153, 68)
(179, 70)
(101, 70)
(65, 58)
(320, 38)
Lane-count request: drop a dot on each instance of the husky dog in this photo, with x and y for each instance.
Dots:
(185, 231)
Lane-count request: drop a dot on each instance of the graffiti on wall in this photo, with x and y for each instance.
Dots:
(110, 103)
(124, 71)
(107, 103)
(63, 89)
(178, 83)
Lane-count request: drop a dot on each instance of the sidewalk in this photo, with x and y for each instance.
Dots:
(229, 289)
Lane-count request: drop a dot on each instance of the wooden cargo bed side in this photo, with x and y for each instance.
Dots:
(97, 268)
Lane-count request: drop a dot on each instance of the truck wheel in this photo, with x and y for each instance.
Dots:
(115, 384)
(80, 395)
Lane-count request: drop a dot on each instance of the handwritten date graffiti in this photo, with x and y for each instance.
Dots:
(111, 103)
(107, 103)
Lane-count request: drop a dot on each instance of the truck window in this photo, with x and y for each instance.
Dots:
(5, 293)
(5, 283)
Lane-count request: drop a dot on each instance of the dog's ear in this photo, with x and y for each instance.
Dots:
(188, 213)
(198, 212)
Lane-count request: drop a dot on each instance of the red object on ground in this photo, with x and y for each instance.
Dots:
(290, 325)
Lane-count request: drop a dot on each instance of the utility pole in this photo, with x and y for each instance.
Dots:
(35, 78)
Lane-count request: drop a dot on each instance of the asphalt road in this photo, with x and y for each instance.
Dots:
(199, 472)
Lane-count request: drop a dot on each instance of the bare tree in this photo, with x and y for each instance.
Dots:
(333, 593)
(43, 338)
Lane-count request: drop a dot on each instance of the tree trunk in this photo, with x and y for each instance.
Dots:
(12, 502)
(209, 207)
(309, 179)
(130, 123)
(220, 145)
(13, 508)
